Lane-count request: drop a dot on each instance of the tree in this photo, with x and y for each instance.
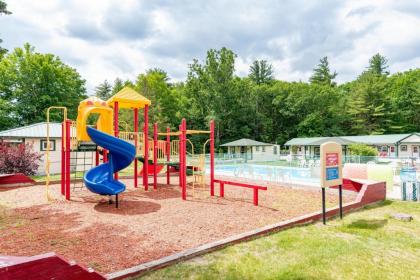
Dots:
(307, 110)
(118, 85)
(209, 86)
(154, 85)
(362, 150)
(378, 65)
(261, 72)
(3, 8)
(403, 90)
(4, 11)
(6, 119)
(322, 74)
(3, 51)
(103, 90)
(31, 82)
(368, 105)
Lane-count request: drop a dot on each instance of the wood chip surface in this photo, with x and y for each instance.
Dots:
(147, 226)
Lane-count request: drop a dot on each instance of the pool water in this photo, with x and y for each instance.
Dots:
(271, 173)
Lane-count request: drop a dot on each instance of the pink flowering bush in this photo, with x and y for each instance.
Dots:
(18, 159)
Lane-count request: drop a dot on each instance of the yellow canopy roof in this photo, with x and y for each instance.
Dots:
(128, 98)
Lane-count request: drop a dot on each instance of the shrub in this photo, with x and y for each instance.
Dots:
(362, 150)
(18, 159)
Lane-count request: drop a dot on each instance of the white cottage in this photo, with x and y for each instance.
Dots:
(388, 145)
(252, 150)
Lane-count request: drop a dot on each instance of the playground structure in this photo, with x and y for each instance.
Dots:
(120, 148)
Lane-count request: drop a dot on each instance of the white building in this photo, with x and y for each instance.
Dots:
(252, 150)
(388, 145)
(36, 134)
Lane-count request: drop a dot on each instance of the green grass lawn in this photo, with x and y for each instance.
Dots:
(368, 244)
(54, 177)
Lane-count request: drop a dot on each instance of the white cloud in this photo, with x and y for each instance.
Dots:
(109, 39)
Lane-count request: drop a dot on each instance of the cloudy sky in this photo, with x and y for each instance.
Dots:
(108, 39)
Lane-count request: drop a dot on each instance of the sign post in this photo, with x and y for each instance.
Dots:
(331, 173)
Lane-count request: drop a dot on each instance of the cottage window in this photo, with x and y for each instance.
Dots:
(257, 148)
(44, 144)
(403, 148)
(275, 150)
(392, 149)
(263, 149)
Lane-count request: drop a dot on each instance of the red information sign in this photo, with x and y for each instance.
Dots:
(331, 159)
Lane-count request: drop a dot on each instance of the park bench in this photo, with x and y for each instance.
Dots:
(222, 184)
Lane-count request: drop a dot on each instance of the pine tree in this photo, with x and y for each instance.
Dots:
(103, 90)
(261, 72)
(368, 106)
(322, 74)
(118, 85)
(378, 65)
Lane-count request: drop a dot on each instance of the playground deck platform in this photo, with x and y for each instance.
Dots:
(147, 226)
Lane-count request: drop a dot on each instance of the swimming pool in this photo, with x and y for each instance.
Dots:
(279, 174)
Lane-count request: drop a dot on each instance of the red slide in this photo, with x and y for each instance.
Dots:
(351, 185)
(151, 169)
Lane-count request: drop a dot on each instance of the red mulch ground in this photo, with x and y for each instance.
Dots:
(147, 226)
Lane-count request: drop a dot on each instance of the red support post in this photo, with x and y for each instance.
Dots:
(184, 159)
(63, 158)
(136, 129)
(155, 151)
(67, 189)
(255, 196)
(168, 155)
(116, 129)
(146, 148)
(105, 155)
(180, 156)
(212, 158)
(96, 157)
(222, 189)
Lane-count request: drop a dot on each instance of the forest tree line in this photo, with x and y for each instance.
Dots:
(257, 106)
(262, 108)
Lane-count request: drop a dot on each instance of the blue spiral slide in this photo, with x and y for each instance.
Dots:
(100, 179)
